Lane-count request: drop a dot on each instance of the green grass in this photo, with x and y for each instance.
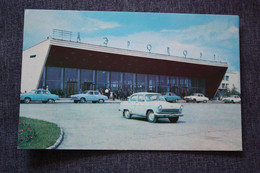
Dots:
(36, 134)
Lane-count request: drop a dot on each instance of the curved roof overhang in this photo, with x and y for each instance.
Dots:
(76, 55)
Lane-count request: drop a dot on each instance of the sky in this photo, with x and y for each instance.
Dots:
(202, 36)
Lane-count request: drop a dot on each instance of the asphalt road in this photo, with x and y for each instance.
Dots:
(101, 126)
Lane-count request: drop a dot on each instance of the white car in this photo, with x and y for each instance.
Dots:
(152, 106)
(196, 97)
(232, 99)
(91, 95)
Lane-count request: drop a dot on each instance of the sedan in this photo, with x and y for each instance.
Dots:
(151, 106)
(171, 97)
(232, 99)
(38, 95)
(91, 95)
(196, 97)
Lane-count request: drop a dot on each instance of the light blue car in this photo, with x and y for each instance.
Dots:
(171, 97)
(38, 95)
(91, 96)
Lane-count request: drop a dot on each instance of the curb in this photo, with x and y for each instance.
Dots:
(59, 140)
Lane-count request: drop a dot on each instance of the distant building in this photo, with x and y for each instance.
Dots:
(71, 66)
(230, 80)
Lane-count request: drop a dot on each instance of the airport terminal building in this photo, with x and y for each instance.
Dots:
(71, 66)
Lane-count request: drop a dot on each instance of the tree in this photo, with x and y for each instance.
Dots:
(233, 91)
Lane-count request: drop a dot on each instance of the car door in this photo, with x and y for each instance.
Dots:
(37, 96)
(132, 104)
(140, 104)
(44, 95)
(90, 96)
(96, 96)
(200, 98)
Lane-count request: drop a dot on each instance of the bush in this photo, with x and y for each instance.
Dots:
(58, 92)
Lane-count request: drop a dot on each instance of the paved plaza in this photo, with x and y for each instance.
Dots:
(209, 126)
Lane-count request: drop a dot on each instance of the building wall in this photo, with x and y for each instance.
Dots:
(33, 62)
(230, 79)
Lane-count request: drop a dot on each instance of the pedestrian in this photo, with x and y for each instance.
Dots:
(47, 89)
(80, 91)
(107, 92)
(111, 96)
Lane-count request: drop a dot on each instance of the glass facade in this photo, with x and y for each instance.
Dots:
(70, 81)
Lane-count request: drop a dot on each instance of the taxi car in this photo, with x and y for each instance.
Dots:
(91, 95)
(39, 95)
(152, 106)
(196, 97)
(232, 99)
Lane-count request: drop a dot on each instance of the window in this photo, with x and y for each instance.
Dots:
(141, 98)
(32, 56)
(227, 78)
(96, 93)
(133, 98)
(90, 93)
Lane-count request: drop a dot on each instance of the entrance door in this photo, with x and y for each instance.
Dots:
(184, 91)
(71, 88)
(87, 86)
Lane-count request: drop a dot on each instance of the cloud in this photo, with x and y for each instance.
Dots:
(94, 25)
(160, 41)
(211, 33)
(39, 24)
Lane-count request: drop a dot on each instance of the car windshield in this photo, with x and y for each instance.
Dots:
(154, 97)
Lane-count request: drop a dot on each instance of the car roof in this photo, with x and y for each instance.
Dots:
(144, 93)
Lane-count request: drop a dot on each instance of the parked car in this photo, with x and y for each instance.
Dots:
(152, 106)
(91, 95)
(196, 97)
(171, 97)
(232, 99)
(39, 95)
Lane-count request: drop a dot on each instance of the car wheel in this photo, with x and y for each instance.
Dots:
(232, 101)
(82, 100)
(27, 100)
(76, 101)
(173, 119)
(127, 114)
(187, 101)
(151, 117)
(101, 101)
(194, 100)
(50, 101)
